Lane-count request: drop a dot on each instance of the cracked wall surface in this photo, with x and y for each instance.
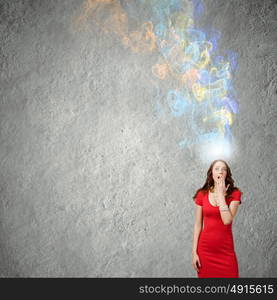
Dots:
(92, 183)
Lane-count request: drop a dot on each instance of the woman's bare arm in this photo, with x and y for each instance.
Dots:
(228, 216)
(197, 227)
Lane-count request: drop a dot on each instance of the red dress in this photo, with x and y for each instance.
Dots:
(215, 246)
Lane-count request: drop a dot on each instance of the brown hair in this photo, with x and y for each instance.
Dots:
(209, 184)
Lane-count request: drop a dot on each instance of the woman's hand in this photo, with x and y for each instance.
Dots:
(220, 185)
(196, 262)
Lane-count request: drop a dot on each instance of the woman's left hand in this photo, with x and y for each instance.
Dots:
(221, 188)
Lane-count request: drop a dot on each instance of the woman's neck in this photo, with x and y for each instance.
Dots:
(214, 190)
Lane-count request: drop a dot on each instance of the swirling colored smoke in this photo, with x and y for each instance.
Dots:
(203, 96)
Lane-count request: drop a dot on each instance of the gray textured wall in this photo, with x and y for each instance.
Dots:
(92, 182)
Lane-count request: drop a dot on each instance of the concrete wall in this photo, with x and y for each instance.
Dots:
(92, 181)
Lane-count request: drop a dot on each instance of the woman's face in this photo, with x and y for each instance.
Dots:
(219, 170)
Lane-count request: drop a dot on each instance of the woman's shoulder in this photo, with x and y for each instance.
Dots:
(236, 190)
(236, 193)
(199, 197)
(202, 191)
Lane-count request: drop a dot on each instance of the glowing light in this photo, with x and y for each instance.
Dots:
(220, 148)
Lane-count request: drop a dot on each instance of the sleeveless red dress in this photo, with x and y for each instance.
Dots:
(215, 246)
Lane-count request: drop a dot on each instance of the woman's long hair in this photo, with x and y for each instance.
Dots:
(209, 184)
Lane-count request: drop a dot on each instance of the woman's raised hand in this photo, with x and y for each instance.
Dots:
(221, 188)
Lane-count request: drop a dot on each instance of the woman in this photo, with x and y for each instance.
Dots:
(213, 253)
